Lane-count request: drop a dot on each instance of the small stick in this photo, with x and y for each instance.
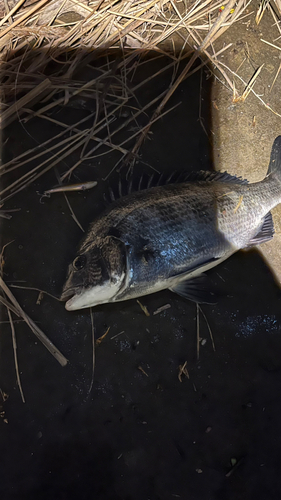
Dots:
(15, 355)
(143, 308)
(15, 321)
(73, 214)
(93, 347)
(249, 85)
(209, 328)
(7, 304)
(271, 44)
(183, 371)
(14, 110)
(36, 290)
(68, 203)
(27, 14)
(39, 298)
(100, 339)
(142, 370)
(12, 11)
(114, 336)
(36, 330)
(5, 214)
(8, 12)
(162, 308)
(255, 94)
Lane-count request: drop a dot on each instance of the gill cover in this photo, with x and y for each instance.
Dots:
(96, 275)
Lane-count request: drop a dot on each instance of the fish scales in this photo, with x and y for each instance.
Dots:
(165, 236)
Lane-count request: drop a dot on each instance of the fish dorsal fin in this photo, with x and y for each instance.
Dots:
(210, 176)
(135, 184)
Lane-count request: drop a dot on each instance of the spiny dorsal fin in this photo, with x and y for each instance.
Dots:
(208, 176)
(145, 181)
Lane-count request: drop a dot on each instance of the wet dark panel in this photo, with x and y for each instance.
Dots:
(158, 423)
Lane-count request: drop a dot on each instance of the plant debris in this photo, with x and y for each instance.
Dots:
(100, 339)
(143, 308)
(161, 309)
(36, 330)
(183, 371)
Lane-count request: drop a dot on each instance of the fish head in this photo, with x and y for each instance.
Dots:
(96, 275)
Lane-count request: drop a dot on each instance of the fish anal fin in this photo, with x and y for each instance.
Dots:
(196, 289)
(265, 233)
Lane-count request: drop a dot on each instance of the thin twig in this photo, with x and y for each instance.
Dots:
(15, 355)
(7, 304)
(36, 330)
(209, 328)
(37, 290)
(68, 203)
(93, 348)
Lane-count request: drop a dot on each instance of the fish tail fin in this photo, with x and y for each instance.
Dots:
(274, 168)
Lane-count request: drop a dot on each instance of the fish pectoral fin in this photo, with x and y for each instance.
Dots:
(196, 289)
(265, 233)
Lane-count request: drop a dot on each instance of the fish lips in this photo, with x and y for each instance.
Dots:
(70, 296)
(67, 294)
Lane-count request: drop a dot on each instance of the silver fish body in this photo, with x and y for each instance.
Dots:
(165, 236)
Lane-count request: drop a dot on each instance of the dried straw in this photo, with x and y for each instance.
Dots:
(45, 33)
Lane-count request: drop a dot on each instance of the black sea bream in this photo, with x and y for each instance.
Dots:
(167, 236)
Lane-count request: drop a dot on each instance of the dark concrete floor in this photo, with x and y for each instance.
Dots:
(136, 435)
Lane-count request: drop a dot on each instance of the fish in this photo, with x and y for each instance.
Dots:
(167, 236)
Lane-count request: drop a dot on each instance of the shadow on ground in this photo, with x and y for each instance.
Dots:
(140, 433)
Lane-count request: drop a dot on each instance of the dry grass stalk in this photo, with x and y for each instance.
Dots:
(185, 71)
(93, 348)
(209, 328)
(249, 86)
(36, 330)
(37, 6)
(97, 28)
(252, 90)
(11, 12)
(16, 109)
(15, 355)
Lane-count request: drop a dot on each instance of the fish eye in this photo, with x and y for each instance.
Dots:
(79, 262)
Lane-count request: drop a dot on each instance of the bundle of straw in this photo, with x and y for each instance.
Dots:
(46, 45)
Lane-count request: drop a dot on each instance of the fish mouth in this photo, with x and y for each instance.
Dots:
(84, 297)
(69, 296)
(69, 293)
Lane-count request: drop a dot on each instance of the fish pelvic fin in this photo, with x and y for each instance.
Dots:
(196, 289)
(274, 167)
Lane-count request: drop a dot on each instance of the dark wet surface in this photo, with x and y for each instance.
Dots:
(140, 433)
